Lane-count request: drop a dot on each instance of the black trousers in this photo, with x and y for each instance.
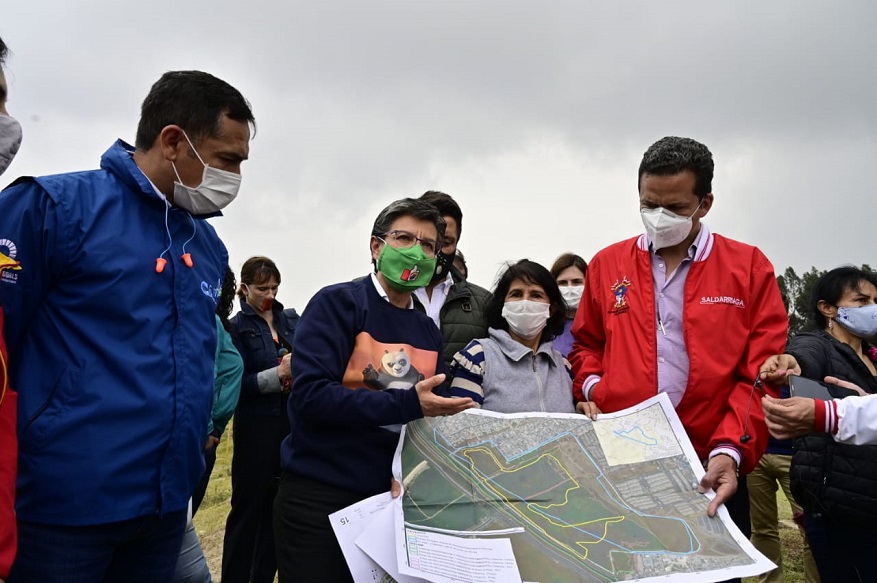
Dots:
(307, 549)
(738, 509)
(201, 488)
(248, 548)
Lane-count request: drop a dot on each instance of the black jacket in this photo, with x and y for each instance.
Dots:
(462, 317)
(253, 339)
(830, 478)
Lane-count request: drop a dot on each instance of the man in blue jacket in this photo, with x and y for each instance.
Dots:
(111, 336)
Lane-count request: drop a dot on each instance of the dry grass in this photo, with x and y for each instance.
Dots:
(210, 520)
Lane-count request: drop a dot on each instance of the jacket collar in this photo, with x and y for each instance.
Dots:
(516, 351)
(703, 243)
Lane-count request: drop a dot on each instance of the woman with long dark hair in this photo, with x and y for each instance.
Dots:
(516, 369)
(836, 483)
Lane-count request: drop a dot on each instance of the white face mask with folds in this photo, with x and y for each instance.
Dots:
(10, 140)
(216, 191)
(525, 318)
(665, 228)
(572, 295)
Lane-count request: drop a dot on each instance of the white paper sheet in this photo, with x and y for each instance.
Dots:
(377, 541)
(348, 524)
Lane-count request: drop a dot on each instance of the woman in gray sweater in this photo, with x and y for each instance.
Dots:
(516, 368)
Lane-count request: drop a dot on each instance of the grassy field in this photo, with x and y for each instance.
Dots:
(210, 520)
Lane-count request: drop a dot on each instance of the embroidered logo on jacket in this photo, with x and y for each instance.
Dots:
(731, 301)
(619, 290)
(8, 264)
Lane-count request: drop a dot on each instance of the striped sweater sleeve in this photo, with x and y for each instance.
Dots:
(468, 369)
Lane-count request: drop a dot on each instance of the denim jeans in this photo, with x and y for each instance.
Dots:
(140, 550)
(191, 566)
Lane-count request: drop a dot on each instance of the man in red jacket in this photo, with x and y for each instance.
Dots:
(686, 312)
(10, 138)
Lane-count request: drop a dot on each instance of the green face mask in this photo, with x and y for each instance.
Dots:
(406, 269)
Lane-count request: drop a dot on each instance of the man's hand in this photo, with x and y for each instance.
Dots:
(777, 368)
(787, 418)
(721, 476)
(588, 408)
(433, 405)
(395, 490)
(845, 385)
(212, 441)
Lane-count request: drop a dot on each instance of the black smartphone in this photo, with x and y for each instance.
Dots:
(804, 387)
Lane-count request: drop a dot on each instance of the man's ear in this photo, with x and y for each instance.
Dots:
(171, 140)
(705, 205)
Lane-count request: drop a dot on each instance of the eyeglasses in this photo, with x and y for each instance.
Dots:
(407, 240)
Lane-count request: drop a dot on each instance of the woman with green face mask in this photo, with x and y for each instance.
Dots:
(365, 364)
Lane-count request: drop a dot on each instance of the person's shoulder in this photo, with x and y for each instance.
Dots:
(809, 339)
(624, 246)
(345, 292)
(56, 186)
(739, 248)
(464, 286)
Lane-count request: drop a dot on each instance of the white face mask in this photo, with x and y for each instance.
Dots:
(10, 140)
(861, 320)
(217, 189)
(572, 295)
(664, 228)
(525, 318)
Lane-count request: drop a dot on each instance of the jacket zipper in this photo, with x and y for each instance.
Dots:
(538, 384)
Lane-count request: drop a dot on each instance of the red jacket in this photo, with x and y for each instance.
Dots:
(8, 463)
(733, 319)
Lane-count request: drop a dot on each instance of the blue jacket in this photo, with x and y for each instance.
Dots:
(113, 361)
(252, 337)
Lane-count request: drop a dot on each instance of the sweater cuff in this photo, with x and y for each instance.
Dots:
(825, 418)
(269, 381)
(728, 450)
(588, 385)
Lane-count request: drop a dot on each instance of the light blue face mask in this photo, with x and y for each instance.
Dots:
(861, 321)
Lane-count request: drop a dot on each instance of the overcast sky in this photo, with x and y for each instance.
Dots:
(533, 115)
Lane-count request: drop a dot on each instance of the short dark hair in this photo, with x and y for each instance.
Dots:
(226, 297)
(4, 52)
(409, 207)
(832, 286)
(672, 155)
(258, 270)
(529, 272)
(193, 100)
(568, 260)
(446, 205)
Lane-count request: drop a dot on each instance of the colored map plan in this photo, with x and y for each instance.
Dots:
(580, 501)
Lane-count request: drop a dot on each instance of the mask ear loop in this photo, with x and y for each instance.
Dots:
(160, 261)
(187, 257)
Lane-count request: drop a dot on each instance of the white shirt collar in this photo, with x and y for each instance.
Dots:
(383, 292)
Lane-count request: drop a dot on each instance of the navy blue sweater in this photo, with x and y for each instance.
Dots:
(357, 358)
